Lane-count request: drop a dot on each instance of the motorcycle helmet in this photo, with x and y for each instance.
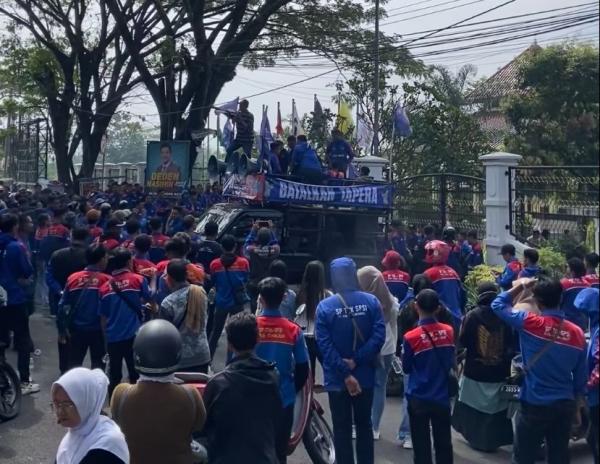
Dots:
(157, 349)
(449, 234)
(437, 252)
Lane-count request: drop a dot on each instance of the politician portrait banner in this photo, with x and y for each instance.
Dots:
(167, 166)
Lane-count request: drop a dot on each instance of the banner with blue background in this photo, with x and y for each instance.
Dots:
(357, 196)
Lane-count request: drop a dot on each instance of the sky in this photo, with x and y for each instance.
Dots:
(403, 20)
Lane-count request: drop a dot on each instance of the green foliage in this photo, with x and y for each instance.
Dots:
(445, 138)
(479, 274)
(126, 140)
(552, 261)
(555, 114)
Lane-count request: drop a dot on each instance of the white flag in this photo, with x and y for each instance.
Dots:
(229, 107)
(296, 123)
(364, 133)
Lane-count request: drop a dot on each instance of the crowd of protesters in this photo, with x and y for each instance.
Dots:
(129, 280)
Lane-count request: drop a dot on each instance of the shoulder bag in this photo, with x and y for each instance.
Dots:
(138, 311)
(240, 296)
(378, 361)
(511, 390)
(452, 378)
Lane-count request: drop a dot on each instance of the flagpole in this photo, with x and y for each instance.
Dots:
(376, 89)
(219, 135)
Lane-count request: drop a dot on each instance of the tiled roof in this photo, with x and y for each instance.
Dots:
(502, 83)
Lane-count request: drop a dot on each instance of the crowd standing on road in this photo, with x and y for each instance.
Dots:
(129, 280)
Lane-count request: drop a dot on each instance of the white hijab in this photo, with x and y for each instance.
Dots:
(87, 390)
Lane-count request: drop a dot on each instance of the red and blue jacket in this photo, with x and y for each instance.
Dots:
(448, 286)
(561, 373)
(510, 274)
(95, 231)
(57, 237)
(281, 341)
(82, 294)
(225, 280)
(14, 265)
(588, 302)
(454, 258)
(397, 282)
(157, 249)
(592, 280)
(108, 243)
(194, 272)
(427, 367)
(530, 272)
(122, 322)
(474, 257)
(571, 288)
(593, 370)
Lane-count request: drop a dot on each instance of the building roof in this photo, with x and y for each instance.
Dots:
(501, 84)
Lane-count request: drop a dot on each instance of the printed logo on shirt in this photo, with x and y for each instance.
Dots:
(352, 311)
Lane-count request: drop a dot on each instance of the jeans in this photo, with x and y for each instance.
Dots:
(16, 319)
(380, 389)
(552, 422)
(79, 343)
(284, 431)
(404, 430)
(53, 299)
(117, 352)
(218, 324)
(426, 418)
(343, 409)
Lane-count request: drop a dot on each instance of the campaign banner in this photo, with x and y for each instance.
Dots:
(250, 187)
(167, 167)
(358, 196)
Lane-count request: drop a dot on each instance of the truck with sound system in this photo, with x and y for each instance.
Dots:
(311, 222)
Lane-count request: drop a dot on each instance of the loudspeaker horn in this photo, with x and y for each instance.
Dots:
(247, 166)
(216, 168)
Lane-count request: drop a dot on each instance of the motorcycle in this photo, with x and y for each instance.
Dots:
(310, 425)
(10, 389)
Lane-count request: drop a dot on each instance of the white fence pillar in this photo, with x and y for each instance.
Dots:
(497, 203)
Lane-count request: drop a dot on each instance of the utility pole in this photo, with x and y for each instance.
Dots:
(376, 84)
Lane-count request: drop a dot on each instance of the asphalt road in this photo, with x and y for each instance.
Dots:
(33, 437)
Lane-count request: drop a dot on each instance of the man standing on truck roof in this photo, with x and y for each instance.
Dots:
(339, 154)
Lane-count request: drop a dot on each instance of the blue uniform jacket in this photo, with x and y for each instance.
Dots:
(305, 158)
(82, 294)
(122, 321)
(335, 332)
(428, 367)
(530, 272)
(56, 239)
(225, 281)
(572, 288)
(588, 302)
(592, 363)
(474, 257)
(282, 342)
(561, 373)
(447, 284)
(14, 265)
(510, 274)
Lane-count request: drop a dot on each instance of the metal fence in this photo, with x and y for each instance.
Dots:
(442, 200)
(561, 202)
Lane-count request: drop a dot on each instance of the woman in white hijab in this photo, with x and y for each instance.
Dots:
(77, 399)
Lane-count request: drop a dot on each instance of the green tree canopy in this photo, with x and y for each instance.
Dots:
(555, 112)
(126, 140)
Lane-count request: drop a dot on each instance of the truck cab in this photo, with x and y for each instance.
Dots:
(306, 232)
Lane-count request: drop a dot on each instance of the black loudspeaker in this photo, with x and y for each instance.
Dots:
(216, 168)
(247, 166)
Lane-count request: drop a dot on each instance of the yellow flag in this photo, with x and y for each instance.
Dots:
(344, 118)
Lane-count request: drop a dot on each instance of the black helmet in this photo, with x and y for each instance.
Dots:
(449, 233)
(123, 204)
(157, 348)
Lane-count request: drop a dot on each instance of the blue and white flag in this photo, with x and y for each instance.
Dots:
(266, 136)
(401, 122)
(228, 135)
(229, 107)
